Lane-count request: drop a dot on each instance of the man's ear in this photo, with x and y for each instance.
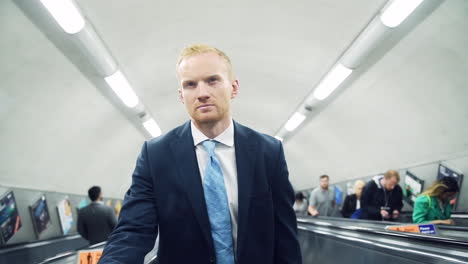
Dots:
(235, 89)
(181, 95)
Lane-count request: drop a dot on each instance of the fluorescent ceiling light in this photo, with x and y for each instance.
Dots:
(398, 11)
(122, 88)
(152, 128)
(294, 121)
(331, 81)
(66, 14)
(279, 138)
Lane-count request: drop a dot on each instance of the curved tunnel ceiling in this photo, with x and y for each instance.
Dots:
(59, 133)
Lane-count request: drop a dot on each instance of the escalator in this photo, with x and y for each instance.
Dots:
(72, 256)
(36, 251)
(337, 241)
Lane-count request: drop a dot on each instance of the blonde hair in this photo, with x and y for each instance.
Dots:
(359, 182)
(392, 173)
(436, 189)
(197, 49)
(446, 184)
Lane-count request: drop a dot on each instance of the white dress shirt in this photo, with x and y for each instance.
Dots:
(226, 155)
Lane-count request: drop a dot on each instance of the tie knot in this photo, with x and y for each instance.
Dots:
(209, 146)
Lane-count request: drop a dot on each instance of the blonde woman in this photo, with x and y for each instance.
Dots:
(352, 203)
(433, 205)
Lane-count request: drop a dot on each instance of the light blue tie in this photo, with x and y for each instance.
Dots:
(218, 207)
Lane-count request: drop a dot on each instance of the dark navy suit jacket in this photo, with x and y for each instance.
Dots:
(167, 192)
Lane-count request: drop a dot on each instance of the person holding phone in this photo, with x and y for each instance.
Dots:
(382, 197)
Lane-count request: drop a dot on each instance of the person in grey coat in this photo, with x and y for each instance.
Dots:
(97, 220)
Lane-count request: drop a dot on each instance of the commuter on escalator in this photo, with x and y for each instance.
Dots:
(300, 204)
(212, 190)
(352, 203)
(433, 205)
(322, 199)
(382, 197)
(97, 220)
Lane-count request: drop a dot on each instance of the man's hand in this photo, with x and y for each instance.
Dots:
(384, 214)
(313, 211)
(395, 214)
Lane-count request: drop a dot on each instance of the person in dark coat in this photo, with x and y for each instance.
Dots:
(96, 221)
(212, 190)
(352, 202)
(382, 197)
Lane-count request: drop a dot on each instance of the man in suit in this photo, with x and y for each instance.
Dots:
(213, 190)
(96, 221)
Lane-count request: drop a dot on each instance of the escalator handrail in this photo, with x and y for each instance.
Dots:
(40, 243)
(430, 238)
(57, 257)
(459, 215)
(453, 258)
(340, 219)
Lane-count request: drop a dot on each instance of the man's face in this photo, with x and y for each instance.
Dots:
(206, 88)
(391, 183)
(324, 183)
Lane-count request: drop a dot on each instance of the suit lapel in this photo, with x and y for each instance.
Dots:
(245, 162)
(189, 174)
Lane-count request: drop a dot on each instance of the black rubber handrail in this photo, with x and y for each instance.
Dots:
(338, 219)
(421, 237)
(58, 257)
(460, 216)
(39, 243)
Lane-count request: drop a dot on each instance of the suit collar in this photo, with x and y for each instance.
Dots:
(189, 175)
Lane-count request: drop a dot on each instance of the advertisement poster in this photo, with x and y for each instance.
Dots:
(412, 187)
(89, 256)
(445, 171)
(40, 215)
(65, 215)
(338, 195)
(349, 188)
(10, 221)
(117, 207)
(82, 203)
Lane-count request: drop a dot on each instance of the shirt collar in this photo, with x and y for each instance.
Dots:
(226, 138)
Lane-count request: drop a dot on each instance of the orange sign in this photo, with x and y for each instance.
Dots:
(408, 228)
(89, 257)
(421, 228)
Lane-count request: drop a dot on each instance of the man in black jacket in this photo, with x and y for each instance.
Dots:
(96, 221)
(382, 197)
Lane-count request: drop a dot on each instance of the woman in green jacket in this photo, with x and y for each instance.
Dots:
(433, 206)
